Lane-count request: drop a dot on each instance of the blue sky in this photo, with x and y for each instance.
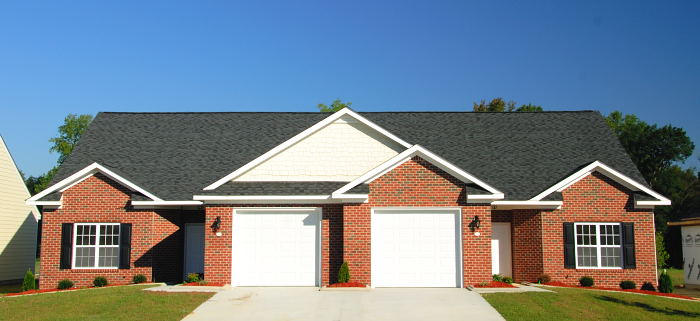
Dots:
(60, 57)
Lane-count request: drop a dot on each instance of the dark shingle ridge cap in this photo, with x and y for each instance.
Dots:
(362, 112)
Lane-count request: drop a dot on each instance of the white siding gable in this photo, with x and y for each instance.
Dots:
(18, 222)
(340, 151)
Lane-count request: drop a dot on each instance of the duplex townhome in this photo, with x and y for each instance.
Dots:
(408, 199)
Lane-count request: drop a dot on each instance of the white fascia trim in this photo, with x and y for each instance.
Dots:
(258, 197)
(506, 205)
(44, 203)
(651, 204)
(165, 203)
(87, 172)
(606, 170)
(417, 150)
(323, 123)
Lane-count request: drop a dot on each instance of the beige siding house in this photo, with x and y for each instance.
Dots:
(18, 222)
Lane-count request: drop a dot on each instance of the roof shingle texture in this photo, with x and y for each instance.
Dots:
(175, 155)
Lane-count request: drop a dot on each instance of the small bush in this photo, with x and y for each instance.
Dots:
(29, 282)
(100, 281)
(665, 283)
(628, 285)
(586, 281)
(508, 279)
(484, 284)
(192, 278)
(544, 278)
(497, 277)
(65, 284)
(647, 286)
(139, 278)
(344, 273)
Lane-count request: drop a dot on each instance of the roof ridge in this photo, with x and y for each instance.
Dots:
(362, 112)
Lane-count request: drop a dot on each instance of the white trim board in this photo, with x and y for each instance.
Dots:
(608, 171)
(87, 172)
(281, 147)
(417, 150)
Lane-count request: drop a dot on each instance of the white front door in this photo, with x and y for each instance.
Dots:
(416, 247)
(501, 250)
(194, 248)
(276, 247)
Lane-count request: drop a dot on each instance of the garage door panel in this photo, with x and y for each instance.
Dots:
(415, 248)
(275, 248)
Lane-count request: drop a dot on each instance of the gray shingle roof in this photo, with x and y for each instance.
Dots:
(175, 155)
(275, 188)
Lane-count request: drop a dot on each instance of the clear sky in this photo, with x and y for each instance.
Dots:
(60, 57)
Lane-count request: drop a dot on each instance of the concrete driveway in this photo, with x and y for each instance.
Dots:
(308, 304)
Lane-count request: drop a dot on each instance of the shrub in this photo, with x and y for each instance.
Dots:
(508, 279)
(344, 273)
(665, 283)
(100, 281)
(662, 255)
(497, 277)
(586, 281)
(647, 286)
(192, 278)
(139, 278)
(628, 285)
(65, 284)
(544, 278)
(29, 282)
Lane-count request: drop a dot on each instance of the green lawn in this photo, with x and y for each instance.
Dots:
(112, 303)
(578, 304)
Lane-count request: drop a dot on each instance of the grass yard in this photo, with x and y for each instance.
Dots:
(577, 304)
(112, 303)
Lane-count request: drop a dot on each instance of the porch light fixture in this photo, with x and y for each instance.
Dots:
(216, 225)
(475, 223)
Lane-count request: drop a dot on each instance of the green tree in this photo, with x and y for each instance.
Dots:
(653, 149)
(336, 105)
(69, 134)
(500, 105)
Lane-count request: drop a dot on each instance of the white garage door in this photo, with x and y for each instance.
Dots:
(416, 248)
(275, 247)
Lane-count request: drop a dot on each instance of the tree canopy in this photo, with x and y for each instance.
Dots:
(69, 134)
(336, 105)
(500, 105)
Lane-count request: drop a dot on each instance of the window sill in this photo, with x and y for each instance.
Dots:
(99, 270)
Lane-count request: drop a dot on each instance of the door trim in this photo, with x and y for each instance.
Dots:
(310, 210)
(458, 238)
(184, 253)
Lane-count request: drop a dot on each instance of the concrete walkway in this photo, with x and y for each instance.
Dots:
(309, 304)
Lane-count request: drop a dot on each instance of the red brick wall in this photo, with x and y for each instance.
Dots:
(98, 199)
(421, 184)
(217, 249)
(597, 198)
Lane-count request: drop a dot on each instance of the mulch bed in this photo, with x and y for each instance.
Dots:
(494, 284)
(202, 284)
(347, 285)
(671, 295)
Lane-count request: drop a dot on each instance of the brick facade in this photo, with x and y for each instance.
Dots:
(156, 246)
(537, 236)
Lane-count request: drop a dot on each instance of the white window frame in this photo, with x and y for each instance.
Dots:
(598, 246)
(97, 246)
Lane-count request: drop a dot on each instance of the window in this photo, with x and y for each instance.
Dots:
(598, 245)
(96, 245)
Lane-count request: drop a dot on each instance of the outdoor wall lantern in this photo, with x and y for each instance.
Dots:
(475, 223)
(216, 226)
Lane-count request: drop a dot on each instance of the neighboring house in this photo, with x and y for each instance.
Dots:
(408, 199)
(690, 238)
(18, 221)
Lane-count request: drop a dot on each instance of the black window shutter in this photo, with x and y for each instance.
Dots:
(569, 244)
(125, 246)
(628, 257)
(66, 245)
